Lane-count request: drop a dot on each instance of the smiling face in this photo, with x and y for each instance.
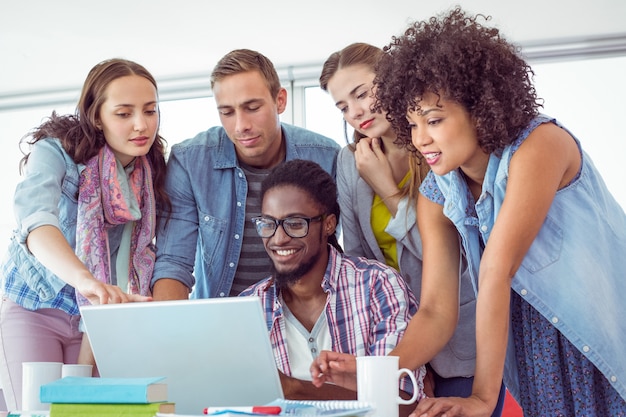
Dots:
(444, 133)
(250, 116)
(351, 89)
(296, 258)
(129, 117)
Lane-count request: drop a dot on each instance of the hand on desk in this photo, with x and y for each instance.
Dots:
(335, 368)
(297, 389)
(452, 407)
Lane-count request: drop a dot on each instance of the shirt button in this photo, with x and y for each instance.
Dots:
(311, 340)
(524, 292)
(238, 203)
(555, 320)
(613, 378)
(206, 218)
(484, 228)
(586, 349)
(313, 350)
(231, 264)
(236, 236)
(240, 175)
(222, 294)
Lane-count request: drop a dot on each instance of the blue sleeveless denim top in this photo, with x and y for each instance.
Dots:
(574, 273)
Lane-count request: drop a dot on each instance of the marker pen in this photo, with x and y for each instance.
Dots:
(258, 409)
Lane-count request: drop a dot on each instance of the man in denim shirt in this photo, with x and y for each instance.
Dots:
(209, 246)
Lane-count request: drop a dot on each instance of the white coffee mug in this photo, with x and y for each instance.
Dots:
(76, 370)
(378, 383)
(34, 375)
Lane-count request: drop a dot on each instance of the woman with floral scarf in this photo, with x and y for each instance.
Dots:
(86, 212)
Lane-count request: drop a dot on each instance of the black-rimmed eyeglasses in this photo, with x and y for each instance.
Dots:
(295, 226)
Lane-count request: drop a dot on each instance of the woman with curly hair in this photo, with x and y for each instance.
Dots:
(86, 211)
(378, 182)
(513, 190)
(544, 238)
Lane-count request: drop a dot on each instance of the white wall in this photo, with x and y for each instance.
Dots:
(48, 44)
(588, 98)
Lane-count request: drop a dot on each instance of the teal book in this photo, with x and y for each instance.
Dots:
(110, 410)
(74, 389)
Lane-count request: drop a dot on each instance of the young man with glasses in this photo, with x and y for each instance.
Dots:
(317, 298)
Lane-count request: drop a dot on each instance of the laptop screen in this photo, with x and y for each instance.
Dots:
(212, 352)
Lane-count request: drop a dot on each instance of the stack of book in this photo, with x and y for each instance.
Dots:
(106, 397)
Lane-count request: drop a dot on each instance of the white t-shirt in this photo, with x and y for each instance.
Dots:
(302, 346)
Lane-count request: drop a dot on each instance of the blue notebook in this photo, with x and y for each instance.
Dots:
(73, 389)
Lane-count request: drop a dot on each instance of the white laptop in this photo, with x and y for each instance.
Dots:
(213, 352)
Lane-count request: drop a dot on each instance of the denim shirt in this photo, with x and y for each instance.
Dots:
(200, 243)
(458, 357)
(574, 273)
(47, 195)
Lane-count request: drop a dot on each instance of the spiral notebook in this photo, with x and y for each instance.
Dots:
(309, 408)
(213, 352)
(330, 408)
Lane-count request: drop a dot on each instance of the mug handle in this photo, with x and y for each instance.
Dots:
(413, 381)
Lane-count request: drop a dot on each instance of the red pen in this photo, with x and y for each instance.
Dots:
(257, 409)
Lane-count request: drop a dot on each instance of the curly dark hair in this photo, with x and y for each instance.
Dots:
(458, 59)
(311, 178)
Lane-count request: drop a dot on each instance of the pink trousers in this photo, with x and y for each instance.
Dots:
(46, 335)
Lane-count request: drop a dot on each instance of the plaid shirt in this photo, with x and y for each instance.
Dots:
(18, 291)
(45, 196)
(369, 306)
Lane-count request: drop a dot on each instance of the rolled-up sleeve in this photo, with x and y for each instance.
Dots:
(37, 196)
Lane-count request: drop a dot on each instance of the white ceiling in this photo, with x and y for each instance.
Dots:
(48, 44)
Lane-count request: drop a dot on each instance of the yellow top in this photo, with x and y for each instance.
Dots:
(379, 220)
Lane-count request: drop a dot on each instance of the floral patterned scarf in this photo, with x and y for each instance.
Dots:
(102, 204)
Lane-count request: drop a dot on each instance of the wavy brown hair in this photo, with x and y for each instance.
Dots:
(80, 137)
(459, 59)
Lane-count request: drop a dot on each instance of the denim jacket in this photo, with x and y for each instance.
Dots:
(47, 195)
(458, 356)
(574, 273)
(200, 243)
